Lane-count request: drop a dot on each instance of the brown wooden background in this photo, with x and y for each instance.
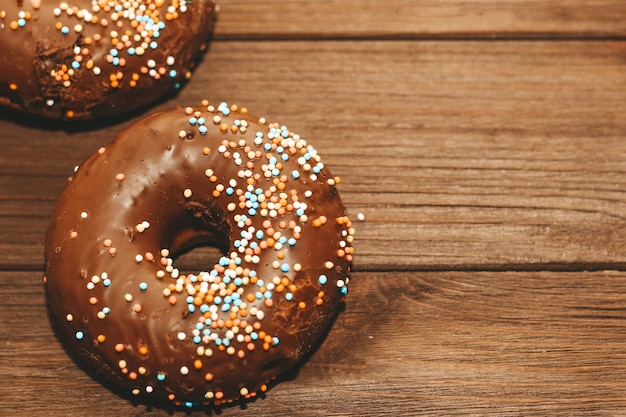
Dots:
(485, 142)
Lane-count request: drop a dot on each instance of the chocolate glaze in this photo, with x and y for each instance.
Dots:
(213, 176)
(64, 58)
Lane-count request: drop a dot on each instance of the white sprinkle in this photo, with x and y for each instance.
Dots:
(181, 336)
(184, 370)
(138, 258)
(69, 317)
(187, 193)
(360, 217)
(84, 215)
(329, 265)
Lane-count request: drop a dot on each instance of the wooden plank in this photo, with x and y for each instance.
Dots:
(405, 344)
(462, 155)
(277, 19)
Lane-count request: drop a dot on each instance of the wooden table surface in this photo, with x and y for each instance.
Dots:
(485, 143)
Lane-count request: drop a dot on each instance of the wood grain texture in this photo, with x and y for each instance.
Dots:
(405, 344)
(485, 143)
(488, 19)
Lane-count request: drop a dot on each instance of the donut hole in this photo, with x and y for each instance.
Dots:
(203, 239)
(198, 258)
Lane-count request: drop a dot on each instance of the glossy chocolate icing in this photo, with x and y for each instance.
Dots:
(90, 58)
(217, 176)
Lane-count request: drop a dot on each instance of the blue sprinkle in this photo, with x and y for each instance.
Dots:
(225, 307)
(193, 121)
(259, 134)
(225, 111)
(237, 122)
(143, 286)
(289, 296)
(290, 242)
(197, 339)
(267, 294)
(161, 376)
(65, 30)
(80, 335)
(113, 52)
(173, 73)
(259, 295)
(238, 282)
(273, 160)
(284, 267)
(191, 308)
(275, 172)
(295, 174)
(106, 282)
(267, 146)
(275, 340)
(199, 326)
(217, 300)
(106, 310)
(204, 308)
(254, 335)
(21, 22)
(259, 234)
(218, 342)
(252, 212)
(285, 157)
(344, 290)
(189, 299)
(154, 44)
(201, 121)
(131, 51)
(322, 279)
(116, 61)
(230, 191)
(202, 129)
(226, 342)
(280, 149)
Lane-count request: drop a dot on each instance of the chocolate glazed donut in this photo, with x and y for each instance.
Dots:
(210, 175)
(91, 58)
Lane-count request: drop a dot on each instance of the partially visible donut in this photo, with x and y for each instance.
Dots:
(90, 58)
(210, 175)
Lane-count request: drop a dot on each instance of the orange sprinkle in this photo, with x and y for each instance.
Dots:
(69, 114)
(137, 308)
(197, 364)
(302, 305)
(119, 347)
(101, 338)
(208, 376)
(143, 350)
